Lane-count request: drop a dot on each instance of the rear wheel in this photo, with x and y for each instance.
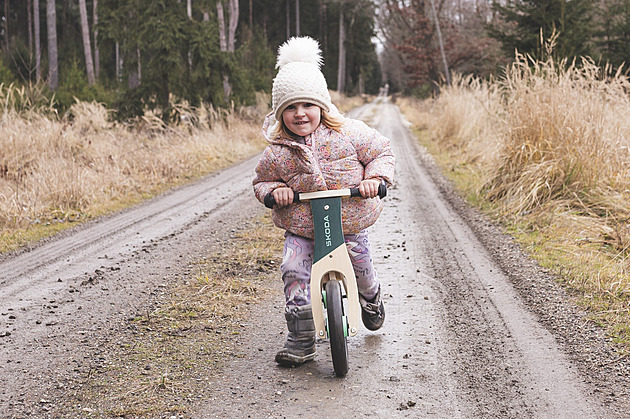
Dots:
(337, 328)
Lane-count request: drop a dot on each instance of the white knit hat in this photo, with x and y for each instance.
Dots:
(299, 78)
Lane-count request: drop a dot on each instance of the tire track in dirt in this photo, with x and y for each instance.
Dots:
(116, 235)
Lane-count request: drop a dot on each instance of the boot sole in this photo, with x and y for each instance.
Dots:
(293, 360)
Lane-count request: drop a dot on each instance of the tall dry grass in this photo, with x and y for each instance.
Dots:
(84, 164)
(549, 145)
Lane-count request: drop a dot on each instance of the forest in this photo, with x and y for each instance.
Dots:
(134, 55)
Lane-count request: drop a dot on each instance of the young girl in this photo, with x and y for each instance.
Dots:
(312, 147)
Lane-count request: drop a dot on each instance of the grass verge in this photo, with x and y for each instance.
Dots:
(545, 151)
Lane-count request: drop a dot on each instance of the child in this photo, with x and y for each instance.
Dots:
(312, 147)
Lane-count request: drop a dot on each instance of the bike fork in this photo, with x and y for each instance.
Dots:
(331, 262)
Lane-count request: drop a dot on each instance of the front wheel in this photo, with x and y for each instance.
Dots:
(337, 326)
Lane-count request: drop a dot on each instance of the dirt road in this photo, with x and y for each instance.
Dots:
(473, 328)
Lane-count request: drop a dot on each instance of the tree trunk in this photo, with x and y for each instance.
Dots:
(139, 56)
(234, 11)
(51, 24)
(97, 55)
(341, 68)
(227, 43)
(118, 63)
(221, 21)
(323, 34)
(297, 17)
(288, 19)
(361, 84)
(38, 41)
(29, 19)
(441, 43)
(251, 15)
(87, 48)
(7, 33)
(135, 77)
(189, 13)
(227, 87)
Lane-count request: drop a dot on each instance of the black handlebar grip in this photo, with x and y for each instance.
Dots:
(382, 191)
(270, 201)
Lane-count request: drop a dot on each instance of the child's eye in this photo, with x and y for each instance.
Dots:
(308, 105)
(291, 107)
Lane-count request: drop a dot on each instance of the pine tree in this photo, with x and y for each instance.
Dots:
(523, 23)
(615, 34)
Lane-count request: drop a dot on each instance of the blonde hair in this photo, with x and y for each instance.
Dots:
(333, 122)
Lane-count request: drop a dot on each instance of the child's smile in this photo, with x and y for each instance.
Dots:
(302, 118)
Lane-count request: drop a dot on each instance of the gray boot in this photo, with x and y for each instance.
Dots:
(300, 345)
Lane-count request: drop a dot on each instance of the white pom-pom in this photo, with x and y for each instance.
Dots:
(301, 49)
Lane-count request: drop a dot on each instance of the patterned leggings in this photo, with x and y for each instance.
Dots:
(298, 258)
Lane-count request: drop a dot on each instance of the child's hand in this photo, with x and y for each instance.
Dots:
(283, 196)
(369, 188)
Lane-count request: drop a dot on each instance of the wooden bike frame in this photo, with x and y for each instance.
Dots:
(331, 261)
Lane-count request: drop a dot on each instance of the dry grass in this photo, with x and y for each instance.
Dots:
(547, 147)
(57, 170)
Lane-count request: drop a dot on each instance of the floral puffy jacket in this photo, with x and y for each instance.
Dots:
(327, 160)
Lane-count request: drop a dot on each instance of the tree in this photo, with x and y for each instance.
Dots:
(297, 17)
(227, 45)
(38, 41)
(614, 35)
(413, 58)
(440, 42)
(181, 50)
(97, 54)
(87, 48)
(288, 10)
(6, 29)
(468, 47)
(411, 34)
(228, 39)
(51, 24)
(341, 63)
(524, 22)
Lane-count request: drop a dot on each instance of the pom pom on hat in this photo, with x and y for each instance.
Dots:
(299, 78)
(303, 49)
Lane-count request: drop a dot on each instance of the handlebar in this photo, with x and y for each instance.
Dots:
(270, 201)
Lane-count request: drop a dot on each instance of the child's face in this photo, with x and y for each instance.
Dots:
(302, 118)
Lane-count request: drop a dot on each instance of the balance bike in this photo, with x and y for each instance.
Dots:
(332, 274)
